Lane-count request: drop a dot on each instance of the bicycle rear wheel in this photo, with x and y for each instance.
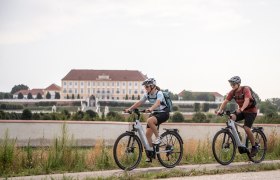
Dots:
(127, 151)
(224, 147)
(261, 141)
(170, 151)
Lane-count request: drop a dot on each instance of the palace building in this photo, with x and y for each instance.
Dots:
(103, 84)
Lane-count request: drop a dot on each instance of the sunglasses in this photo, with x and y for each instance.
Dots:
(147, 86)
(232, 84)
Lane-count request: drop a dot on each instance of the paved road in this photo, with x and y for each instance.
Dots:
(263, 175)
(83, 175)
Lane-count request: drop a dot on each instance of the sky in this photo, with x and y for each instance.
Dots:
(194, 45)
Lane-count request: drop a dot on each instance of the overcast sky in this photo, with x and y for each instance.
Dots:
(194, 45)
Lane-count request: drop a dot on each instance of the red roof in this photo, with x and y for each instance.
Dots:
(53, 87)
(32, 91)
(112, 75)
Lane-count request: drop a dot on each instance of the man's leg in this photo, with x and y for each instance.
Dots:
(250, 135)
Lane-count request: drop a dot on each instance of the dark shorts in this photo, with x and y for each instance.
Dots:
(249, 118)
(161, 117)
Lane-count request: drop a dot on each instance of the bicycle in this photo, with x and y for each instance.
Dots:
(226, 141)
(128, 147)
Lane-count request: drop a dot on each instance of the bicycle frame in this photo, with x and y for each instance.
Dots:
(231, 125)
(137, 127)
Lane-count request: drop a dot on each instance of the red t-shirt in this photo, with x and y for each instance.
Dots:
(240, 98)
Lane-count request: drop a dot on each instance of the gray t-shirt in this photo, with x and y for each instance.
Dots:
(158, 95)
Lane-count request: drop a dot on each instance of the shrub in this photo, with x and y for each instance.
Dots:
(92, 114)
(177, 117)
(114, 116)
(175, 108)
(26, 114)
(199, 118)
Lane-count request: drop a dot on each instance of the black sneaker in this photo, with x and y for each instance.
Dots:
(254, 151)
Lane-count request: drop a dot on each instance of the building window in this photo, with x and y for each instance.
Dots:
(92, 83)
(82, 91)
(129, 91)
(98, 83)
(64, 91)
(118, 84)
(70, 90)
(103, 83)
(113, 84)
(135, 92)
(130, 84)
(70, 83)
(123, 91)
(112, 91)
(76, 84)
(82, 83)
(64, 83)
(136, 84)
(123, 83)
(88, 83)
(88, 90)
(142, 92)
(76, 91)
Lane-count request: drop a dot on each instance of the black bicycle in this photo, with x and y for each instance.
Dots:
(228, 139)
(128, 147)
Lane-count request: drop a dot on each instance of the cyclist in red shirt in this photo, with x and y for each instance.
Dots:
(246, 110)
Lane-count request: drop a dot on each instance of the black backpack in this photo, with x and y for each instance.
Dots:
(253, 101)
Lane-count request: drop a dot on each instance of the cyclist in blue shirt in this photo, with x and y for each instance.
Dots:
(159, 110)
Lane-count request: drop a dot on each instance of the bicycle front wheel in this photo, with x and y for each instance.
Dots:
(224, 147)
(261, 141)
(170, 151)
(127, 151)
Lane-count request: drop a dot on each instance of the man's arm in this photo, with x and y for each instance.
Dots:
(222, 107)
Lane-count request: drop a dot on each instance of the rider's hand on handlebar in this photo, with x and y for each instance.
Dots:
(148, 111)
(127, 110)
(219, 112)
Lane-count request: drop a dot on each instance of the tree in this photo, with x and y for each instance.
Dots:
(138, 97)
(20, 95)
(206, 107)
(29, 96)
(39, 96)
(126, 97)
(57, 95)
(268, 109)
(8, 96)
(67, 97)
(78, 97)
(196, 107)
(133, 97)
(48, 96)
(73, 97)
(19, 87)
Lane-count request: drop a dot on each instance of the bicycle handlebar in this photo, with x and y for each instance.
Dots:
(228, 113)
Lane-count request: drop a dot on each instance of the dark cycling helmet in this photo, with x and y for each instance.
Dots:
(235, 79)
(149, 81)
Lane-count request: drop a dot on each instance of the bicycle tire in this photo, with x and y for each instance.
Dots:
(225, 147)
(261, 142)
(127, 149)
(171, 148)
